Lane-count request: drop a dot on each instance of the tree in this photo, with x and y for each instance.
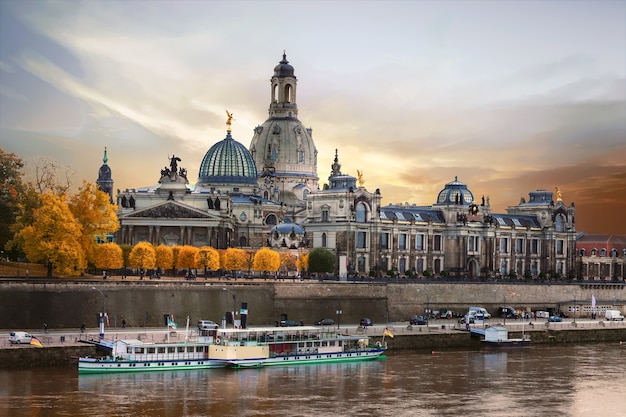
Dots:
(126, 249)
(11, 187)
(143, 256)
(164, 257)
(46, 178)
(108, 256)
(54, 237)
(92, 209)
(321, 260)
(287, 262)
(265, 260)
(303, 262)
(235, 259)
(187, 257)
(208, 258)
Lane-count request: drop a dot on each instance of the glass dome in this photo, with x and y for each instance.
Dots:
(228, 162)
(455, 192)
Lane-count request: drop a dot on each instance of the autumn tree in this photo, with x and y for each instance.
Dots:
(164, 257)
(287, 262)
(303, 262)
(187, 257)
(142, 256)
(321, 260)
(208, 258)
(235, 259)
(108, 256)
(265, 260)
(11, 188)
(54, 237)
(97, 216)
(126, 249)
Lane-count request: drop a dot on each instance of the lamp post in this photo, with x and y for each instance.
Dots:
(101, 318)
(339, 313)
(234, 304)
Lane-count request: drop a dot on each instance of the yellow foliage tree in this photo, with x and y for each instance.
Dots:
(235, 259)
(164, 257)
(266, 259)
(303, 262)
(187, 257)
(108, 256)
(208, 258)
(142, 256)
(54, 237)
(97, 216)
(287, 262)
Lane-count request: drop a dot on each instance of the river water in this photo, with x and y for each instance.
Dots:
(541, 380)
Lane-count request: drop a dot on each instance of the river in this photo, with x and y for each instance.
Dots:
(541, 380)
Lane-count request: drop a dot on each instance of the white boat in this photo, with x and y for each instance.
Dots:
(269, 346)
(134, 355)
(498, 337)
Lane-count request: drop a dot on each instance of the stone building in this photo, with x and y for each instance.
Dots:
(601, 257)
(269, 195)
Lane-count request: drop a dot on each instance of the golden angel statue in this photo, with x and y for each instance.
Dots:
(229, 121)
(360, 175)
(559, 195)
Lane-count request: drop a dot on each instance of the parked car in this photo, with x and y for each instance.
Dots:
(325, 322)
(207, 325)
(19, 337)
(365, 322)
(555, 319)
(418, 320)
(614, 315)
(469, 318)
(289, 323)
(480, 310)
(509, 313)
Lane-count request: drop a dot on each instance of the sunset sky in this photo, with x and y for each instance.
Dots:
(509, 96)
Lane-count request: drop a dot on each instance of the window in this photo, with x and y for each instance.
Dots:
(559, 223)
(504, 245)
(437, 242)
(325, 215)
(519, 245)
(472, 244)
(419, 242)
(503, 267)
(533, 268)
(361, 212)
(402, 265)
(360, 239)
(384, 240)
(324, 243)
(402, 241)
(603, 252)
(559, 247)
(420, 265)
(583, 252)
(534, 246)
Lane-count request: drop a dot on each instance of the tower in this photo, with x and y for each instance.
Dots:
(282, 148)
(104, 181)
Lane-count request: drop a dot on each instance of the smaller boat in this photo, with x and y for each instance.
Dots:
(498, 337)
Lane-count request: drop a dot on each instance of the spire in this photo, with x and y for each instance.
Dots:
(105, 159)
(336, 166)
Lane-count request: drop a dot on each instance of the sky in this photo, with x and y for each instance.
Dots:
(508, 96)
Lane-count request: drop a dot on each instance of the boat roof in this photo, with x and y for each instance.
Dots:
(293, 329)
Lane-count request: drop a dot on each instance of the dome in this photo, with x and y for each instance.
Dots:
(287, 228)
(228, 162)
(455, 192)
(283, 69)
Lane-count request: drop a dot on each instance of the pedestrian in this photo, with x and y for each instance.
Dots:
(45, 327)
(27, 273)
(82, 328)
(123, 323)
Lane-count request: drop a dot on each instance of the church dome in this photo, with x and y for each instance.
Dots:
(455, 192)
(283, 69)
(228, 162)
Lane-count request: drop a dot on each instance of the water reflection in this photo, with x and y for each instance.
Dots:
(536, 381)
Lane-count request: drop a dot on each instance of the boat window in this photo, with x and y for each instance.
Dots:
(190, 349)
(199, 348)
(139, 350)
(161, 350)
(180, 349)
(151, 350)
(170, 349)
(309, 344)
(129, 349)
(324, 343)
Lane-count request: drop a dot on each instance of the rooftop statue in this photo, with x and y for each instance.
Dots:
(559, 195)
(360, 175)
(229, 121)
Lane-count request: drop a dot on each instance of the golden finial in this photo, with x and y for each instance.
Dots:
(559, 195)
(361, 180)
(229, 120)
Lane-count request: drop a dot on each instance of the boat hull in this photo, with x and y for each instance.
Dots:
(98, 366)
(307, 359)
(507, 344)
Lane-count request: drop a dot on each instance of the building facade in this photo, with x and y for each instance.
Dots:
(269, 195)
(601, 257)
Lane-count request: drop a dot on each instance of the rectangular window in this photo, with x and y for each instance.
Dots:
(534, 246)
(384, 241)
(325, 217)
(519, 245)
(419, 242)
(402, 241)
(504, 245)
(437, 242)
(559, 247)
(360, 239)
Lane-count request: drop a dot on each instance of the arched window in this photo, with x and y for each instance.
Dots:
(325, 214)
(361, 213)
(324, 240)
(288, 93)
(271, 219)
(583, 252)
(613, 253)
(594, 252)
(243, 241)
(603, 252)
(559, 223)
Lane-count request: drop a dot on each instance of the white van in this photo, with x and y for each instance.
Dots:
(20, 337)
(479, 310)
(614, 315)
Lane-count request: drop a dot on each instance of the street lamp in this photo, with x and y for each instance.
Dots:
(101, 318)
(234, 304)
(339, 313)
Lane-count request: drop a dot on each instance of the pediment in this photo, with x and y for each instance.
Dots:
(170, 210)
